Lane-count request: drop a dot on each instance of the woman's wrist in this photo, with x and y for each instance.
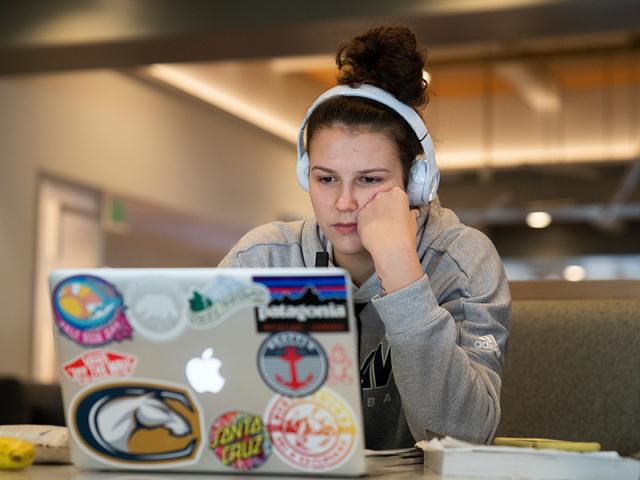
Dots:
(397, 268)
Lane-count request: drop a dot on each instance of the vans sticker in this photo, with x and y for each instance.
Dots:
(99, 364)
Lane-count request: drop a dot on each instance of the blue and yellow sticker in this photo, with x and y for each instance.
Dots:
(138, 424)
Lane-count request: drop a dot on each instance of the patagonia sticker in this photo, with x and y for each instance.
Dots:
(209, 306)
(156, 308)
(240, 440)
(292, 363)
(316, 433)
(99, 364)
(137, 424)
(90, 311)
(313, 304)
(340, 366)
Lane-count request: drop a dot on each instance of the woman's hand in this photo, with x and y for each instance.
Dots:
(387, 229)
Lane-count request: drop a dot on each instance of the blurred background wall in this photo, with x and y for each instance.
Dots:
(155, 133)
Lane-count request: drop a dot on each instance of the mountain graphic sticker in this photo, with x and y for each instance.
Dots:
(304, 304)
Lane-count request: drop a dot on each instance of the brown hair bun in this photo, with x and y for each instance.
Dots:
(388, 58)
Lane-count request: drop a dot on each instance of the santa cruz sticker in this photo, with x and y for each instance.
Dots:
(156, 308)
(292, 363)
(314, 304)
(316, 433)
(208, 307)
(98, 364)
(240, 440)
(90, 311)
(137, 424)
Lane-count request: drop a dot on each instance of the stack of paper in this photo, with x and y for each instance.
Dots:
(456, 458)
(381, 462)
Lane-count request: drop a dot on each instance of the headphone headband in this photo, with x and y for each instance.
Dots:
(424, 182)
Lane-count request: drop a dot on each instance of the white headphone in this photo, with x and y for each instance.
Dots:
(424, 176)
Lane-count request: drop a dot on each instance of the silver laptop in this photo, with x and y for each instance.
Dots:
(211, 370)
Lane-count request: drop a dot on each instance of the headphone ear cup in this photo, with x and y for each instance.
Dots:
(417, 187)
(302, 170)
(432, 172)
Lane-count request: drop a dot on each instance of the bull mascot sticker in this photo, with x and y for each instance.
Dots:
(138, 424)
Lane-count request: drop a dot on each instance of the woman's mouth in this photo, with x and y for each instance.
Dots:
(345, 227)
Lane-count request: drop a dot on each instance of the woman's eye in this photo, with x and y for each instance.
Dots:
(325, 179)
(370, 179)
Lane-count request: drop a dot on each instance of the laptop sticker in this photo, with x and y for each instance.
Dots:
(240, 440)
(90, 311)
(292, 363)
(203, 373)
(137, 423)
(340, 367)
(156, 308)
(209, 306)
(316, 433)
(313, 304)
(99, 364)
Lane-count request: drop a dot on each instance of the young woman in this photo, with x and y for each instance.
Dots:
(431, 295)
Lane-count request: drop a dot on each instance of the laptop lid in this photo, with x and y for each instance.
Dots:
(211, 370)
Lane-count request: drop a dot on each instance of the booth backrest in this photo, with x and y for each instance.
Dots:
(573, 372)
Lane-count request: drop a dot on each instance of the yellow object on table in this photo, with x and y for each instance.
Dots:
(547, 443)
(15, 453)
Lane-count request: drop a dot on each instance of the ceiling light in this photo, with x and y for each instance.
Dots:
(538, 219)
(536, 87)
(574, 273)
(240, 107)
(303, 63)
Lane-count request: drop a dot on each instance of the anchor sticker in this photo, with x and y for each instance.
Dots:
(292, 363)
(292, 358)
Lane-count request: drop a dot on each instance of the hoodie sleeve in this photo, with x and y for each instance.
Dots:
(448, 352)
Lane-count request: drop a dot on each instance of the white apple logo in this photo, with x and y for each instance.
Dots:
(203, 373)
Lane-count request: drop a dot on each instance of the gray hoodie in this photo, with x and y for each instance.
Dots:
(431, 354)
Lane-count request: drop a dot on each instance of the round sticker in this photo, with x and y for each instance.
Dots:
(240, 440)
(156, 308)
(316, 433)
(90, 311)
(292, 363)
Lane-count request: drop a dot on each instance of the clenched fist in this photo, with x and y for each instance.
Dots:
(387, 229)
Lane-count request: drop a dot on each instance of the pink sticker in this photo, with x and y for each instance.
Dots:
(90, 311)
(339, 367)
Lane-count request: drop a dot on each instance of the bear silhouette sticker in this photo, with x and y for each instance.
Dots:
(138, 424)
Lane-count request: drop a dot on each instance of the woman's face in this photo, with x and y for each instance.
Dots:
(347, 168)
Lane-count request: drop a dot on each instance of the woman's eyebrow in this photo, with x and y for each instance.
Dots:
(374, 170)
(361, 172)
(324, 169)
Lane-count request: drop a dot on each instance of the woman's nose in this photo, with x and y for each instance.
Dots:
(346, 201)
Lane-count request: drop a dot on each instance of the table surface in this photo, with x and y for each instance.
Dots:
(68, 472)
